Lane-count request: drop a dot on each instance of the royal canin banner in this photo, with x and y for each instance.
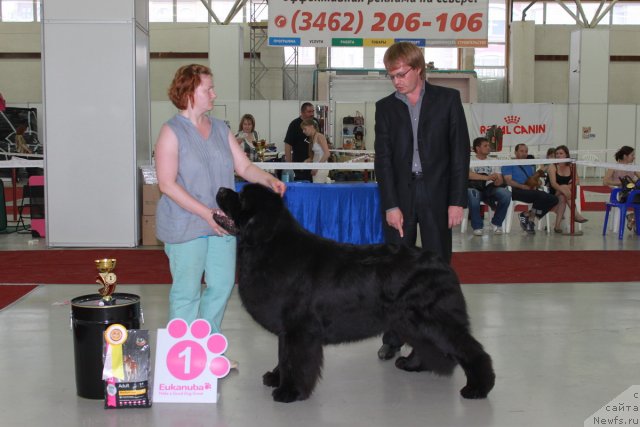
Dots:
(506, 125)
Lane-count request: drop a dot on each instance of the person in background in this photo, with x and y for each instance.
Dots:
(542, 202)
(613, 177)
(486, 185)
(358, 140)
(196, 155)
(624, 156)
(551, 154)
(560, 182)
(247, 135)
(561, 207)
(422, 160)
(296, 147)
(318, 149)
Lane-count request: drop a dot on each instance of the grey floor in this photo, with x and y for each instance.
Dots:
(561, 351)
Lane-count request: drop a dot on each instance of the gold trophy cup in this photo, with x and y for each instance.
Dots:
(261, 147)
(106, 277)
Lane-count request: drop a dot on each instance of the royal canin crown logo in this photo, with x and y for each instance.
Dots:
(512, 126)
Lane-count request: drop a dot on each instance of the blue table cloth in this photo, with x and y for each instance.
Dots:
(347, 213)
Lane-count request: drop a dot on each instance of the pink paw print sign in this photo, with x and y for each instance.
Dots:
(189, 362)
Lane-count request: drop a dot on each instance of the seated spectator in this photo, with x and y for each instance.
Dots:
(560, 182)
(624, 156)
(247, 136)
(551, 154)
(516, 176)
(486, 185)
(613, 177)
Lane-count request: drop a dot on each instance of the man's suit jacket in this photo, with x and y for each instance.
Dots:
(443, 145)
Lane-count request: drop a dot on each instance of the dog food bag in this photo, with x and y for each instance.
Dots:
(127, 367)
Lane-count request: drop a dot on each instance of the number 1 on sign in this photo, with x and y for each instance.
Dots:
(186, 353)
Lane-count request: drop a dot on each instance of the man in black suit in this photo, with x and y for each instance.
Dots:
(422, 160)
(296, 147)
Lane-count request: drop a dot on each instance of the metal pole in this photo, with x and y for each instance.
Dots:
(572, 216)
(573, 198)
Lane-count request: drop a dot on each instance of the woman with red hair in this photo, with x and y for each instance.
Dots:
(196, 155)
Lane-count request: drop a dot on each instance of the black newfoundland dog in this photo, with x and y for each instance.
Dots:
(311, 291)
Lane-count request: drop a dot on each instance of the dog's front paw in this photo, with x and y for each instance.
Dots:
(271, 379)
(407, 364)
(286, 395)
(469, 392)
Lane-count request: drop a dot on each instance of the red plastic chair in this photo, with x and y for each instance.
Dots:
(622, 208)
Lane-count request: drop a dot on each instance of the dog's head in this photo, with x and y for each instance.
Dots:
(252, 214)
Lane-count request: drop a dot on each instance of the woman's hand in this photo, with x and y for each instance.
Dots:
(276, 185)
(217, 228)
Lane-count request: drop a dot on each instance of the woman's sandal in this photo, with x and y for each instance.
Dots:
(631, 221)
(558, 230)
(581, 220)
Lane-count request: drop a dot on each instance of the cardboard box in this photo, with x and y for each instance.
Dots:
(150, 196)
(149, 231)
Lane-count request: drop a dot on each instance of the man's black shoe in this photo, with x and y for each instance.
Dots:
(387, 352)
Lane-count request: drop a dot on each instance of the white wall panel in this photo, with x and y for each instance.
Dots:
(226, 110)
(594, 66)
(359, 88)
(593, 116)
(282, 113)
(88, 129)
(621, 128)
(521, 71)
(225, 59)
(573, 115)
(96, 123)
(161, 111)
(560, 113)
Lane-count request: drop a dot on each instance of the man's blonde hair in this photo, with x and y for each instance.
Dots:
(406, 52)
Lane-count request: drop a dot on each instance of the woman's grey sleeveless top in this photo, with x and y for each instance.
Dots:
(204, 165)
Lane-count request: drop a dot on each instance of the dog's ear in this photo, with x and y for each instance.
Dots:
(260, 210)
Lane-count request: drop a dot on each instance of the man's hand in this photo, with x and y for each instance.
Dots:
(498, 179)
(455, 215)
(395, 220)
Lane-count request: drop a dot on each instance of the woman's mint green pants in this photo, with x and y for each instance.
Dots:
(215, 256)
